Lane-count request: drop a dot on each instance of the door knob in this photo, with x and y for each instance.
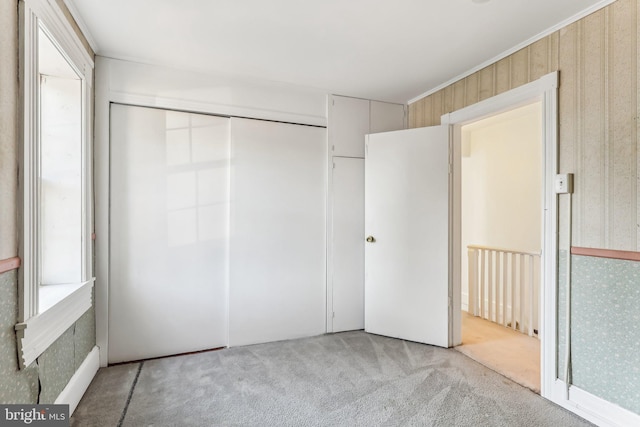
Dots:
(370, 239)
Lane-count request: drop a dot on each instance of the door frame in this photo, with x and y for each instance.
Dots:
(545, 91)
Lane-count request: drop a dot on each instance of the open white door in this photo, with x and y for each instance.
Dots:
(407, 228)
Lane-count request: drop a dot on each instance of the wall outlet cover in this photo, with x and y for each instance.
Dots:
(564, 183)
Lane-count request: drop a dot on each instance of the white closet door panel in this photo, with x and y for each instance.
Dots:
(386, 117)
(348, 244)
(277, 247)
(348, 124)
(169, 232)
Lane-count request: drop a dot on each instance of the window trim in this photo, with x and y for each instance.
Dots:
(37, 331)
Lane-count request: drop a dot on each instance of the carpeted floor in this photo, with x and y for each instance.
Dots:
(346, 379)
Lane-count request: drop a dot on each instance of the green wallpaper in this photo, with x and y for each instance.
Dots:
(53, 369)
(84, 338)
(15, 386)
(605, 335)
(562, 318)
(56, 366)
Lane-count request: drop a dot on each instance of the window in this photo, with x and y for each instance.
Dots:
(56, 275)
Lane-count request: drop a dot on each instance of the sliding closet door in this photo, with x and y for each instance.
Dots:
(277, 247)
(169, 232)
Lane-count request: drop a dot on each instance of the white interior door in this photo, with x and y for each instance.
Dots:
(348, 244)
(169, 232)
(407, 216)
(278, 231)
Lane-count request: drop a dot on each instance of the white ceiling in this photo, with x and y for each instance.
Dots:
(391, 50)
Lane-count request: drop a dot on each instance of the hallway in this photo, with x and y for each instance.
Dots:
(510, 353)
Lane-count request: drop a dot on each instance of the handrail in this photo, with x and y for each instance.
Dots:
(489, 248)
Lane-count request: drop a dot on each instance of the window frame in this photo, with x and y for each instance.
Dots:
(36, 331)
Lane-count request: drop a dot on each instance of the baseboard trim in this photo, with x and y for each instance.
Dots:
(593, 408)
(80, 381)
(610, 413)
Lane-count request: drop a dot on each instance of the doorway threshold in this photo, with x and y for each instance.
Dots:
(510, 353)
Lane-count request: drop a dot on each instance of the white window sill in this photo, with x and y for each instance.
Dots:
(50, 295)
(39, 332)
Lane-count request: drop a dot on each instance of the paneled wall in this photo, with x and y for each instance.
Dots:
(598, 125)
(522, 67)
(598, 61)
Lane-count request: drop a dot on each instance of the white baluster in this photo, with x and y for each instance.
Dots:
(530, 296)
(473, 281)
(490, 287)
(505, 279)
(514, 283)
(482, 281)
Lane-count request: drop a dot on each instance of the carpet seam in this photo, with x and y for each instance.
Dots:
(130, 396)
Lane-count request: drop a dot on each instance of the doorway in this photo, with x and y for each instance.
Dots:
(389, 271)
(545, 92)
(501, 242)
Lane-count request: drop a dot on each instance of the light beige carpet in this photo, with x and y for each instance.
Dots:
(510, 353)
(347, 379)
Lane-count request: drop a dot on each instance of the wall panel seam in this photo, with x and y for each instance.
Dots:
(529, 64)
(464, 93)
(549, 54)
(427, 109)
(637, 127)
(607, 141)
(510, 74)
(494, 74)
(579, 124)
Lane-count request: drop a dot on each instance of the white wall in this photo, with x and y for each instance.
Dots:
(211, 93)
(502, 184)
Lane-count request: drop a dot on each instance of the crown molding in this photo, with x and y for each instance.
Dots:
(543, 34)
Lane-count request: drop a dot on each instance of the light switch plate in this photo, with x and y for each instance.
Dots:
(564, 183)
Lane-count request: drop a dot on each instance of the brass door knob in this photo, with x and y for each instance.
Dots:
(370, 239)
